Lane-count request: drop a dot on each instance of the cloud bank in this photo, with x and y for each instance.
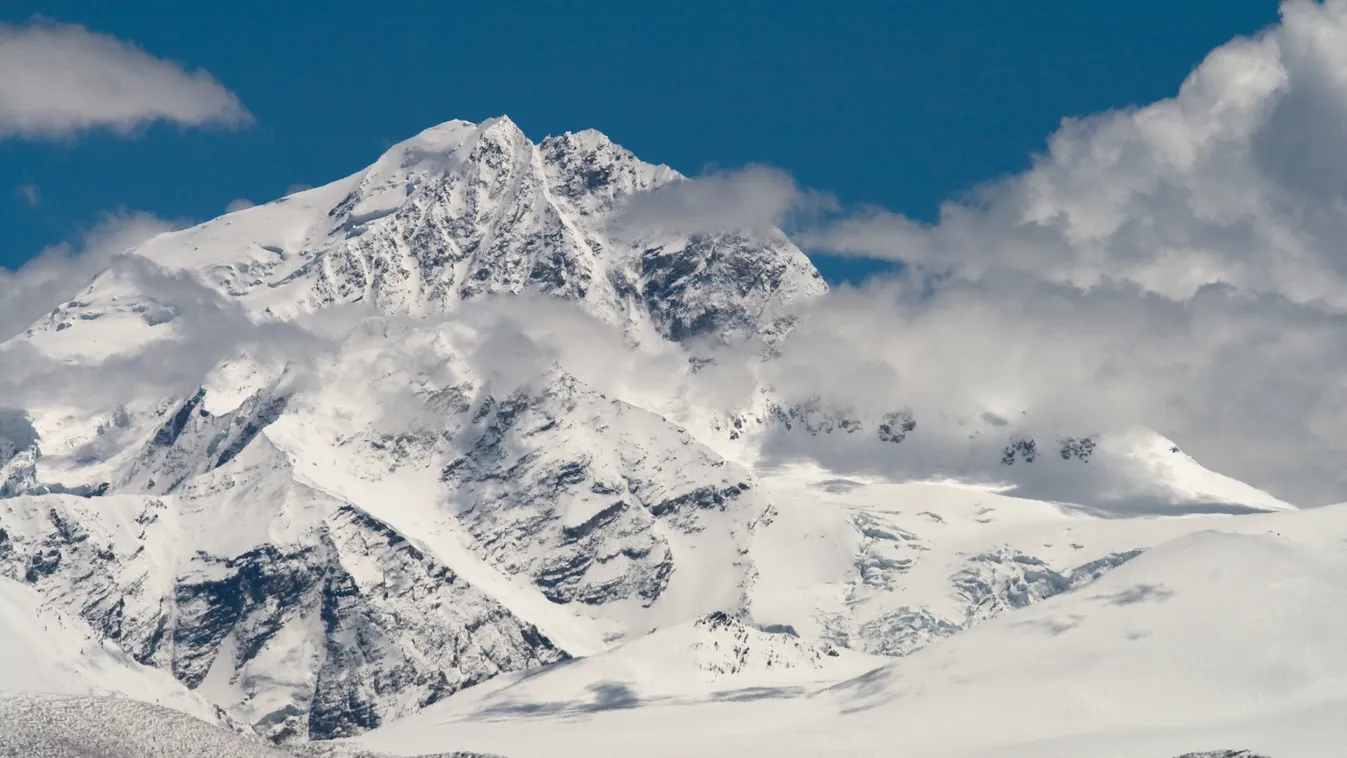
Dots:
(63, 79)
(1178, 266)
(1239, 179)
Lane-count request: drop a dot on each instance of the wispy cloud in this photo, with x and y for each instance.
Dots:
(753, 198)
(29, 194)
(59, 271)
(63, 79)
(207, 328)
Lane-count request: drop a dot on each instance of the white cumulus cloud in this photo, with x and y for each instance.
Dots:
(61, 79)
(1241, 178)
(1179, 266)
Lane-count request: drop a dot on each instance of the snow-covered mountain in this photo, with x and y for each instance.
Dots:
(267, 532)
(458, 420)
(458, 213)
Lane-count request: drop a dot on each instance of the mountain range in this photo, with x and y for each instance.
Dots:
(476, 450)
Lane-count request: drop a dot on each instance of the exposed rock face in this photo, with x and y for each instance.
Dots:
(341, 630)
(1080, 448)
(589, 523)
(19, 452)
(994, 583)
(726, 646)
(712, 284)
(989, 585)
(896, 426)
(1024, 449)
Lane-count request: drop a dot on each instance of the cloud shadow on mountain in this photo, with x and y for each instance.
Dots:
(1137, 593)
(605, 696)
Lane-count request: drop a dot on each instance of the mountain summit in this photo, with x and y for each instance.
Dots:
(459, 212)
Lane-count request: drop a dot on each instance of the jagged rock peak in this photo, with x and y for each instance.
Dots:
(463, 211)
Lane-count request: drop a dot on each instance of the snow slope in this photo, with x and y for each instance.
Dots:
(716, 658)
(44, 651)
(1209, 639)
(1202, 633)
(68, 726)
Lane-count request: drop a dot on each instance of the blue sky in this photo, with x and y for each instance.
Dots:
(900, 104)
